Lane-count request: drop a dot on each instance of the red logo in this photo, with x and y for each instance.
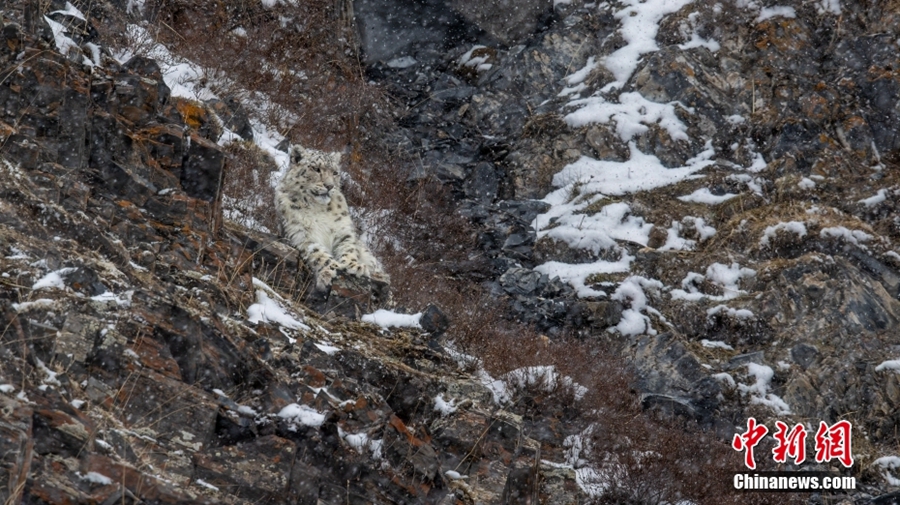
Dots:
(748, 441)
(834, 443)
(791, 444)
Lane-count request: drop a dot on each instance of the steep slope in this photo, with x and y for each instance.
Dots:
(710, 186)
(706, 189)
(152, 355)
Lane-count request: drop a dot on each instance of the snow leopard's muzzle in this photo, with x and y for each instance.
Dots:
(322, 192)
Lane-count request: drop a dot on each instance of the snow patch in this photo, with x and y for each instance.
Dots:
(893, 364)
(444, 407)
(579, 76)
(641, 172)
(716, 344)
(632, 115)
(576, 275)
(758, 164)
(205, 484)
(696, 40)
(640, 24)
(36, 304)
(390, 319)
(634, 321)
(758, 391)
(545, 378)
(569, 223)
(478, 62)
(17, 254)
(704, 195)
(402, 62)
(888, 463)
(50, 374)
(96, 478)
(797, 227)
(296, 415)
(726, 378)
(875, 200)
(135, 6)
(71, 10)
(830, 7)
(724, 276)
(497, 387)
(674, 240)
(268, 310)
(730, 312)
(852, 236)
(728, 277)
(123, 300)
(53, 279)
(454, 475)
(376, 447)
(243, 409)
(579, 448)
(327, 349)
(358, 441)
(778, 10)
(63, 43)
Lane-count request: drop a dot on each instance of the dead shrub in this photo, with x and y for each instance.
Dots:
(247, 190)
(299, 57)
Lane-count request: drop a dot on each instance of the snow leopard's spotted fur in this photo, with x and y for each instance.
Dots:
(315, 218)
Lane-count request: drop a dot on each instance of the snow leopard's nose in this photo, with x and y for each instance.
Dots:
(329, 187)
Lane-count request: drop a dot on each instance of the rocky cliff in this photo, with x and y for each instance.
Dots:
(710, 185)
(153, 354)
(706, 190)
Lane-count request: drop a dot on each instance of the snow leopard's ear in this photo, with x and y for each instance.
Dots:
(336, 160)
(297, 154)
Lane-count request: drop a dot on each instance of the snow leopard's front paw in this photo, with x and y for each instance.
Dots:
(356, 268)
(325, 277)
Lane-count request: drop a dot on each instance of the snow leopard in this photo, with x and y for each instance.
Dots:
(315, 218)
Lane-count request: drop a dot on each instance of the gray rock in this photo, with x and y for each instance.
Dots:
(234, 116)
(804, 355)
(204, 165)
(744, 359)
(518, 21)
(434, 320)
(668, 406)
(398, 28)
(483, 183)
(522, 281)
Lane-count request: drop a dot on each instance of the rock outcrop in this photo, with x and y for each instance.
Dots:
(152, 354)
(780, 250)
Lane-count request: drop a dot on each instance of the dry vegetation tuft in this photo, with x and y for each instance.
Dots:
(246, 188)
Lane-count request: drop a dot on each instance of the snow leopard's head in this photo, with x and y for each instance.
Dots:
(317, 172)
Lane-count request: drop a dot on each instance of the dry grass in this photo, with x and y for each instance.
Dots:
(247, 187)
(300, 57)
(744, 231)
